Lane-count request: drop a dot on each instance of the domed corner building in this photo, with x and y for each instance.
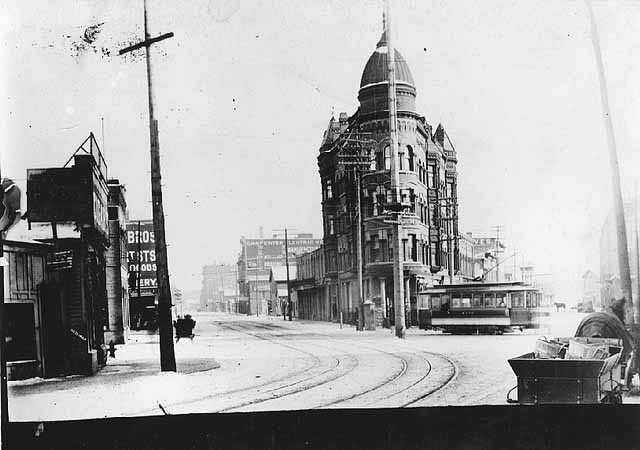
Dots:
(428, 183)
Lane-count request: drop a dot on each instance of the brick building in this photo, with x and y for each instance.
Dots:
(258, 256)
(117, 271)
(219, 288)
(428, 185)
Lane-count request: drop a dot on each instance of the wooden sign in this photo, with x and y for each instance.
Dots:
(60, 260)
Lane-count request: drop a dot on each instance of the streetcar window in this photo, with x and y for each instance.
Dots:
(501, 300)
(435, 302)
(476, 301)
(516, 300)
(466, 302)
(455, 301)
(489, 300)
(445, 299)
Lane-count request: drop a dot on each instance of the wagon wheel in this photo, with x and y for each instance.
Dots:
(605, 325)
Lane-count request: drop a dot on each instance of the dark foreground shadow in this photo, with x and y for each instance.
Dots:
(514, 427)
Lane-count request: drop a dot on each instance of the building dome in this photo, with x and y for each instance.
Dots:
(375, 71)
(374, 88)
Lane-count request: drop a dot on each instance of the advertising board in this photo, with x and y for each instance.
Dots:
(141, 256)
(69, 194)
(272, 251)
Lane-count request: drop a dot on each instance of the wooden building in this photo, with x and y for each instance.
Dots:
(27, 342)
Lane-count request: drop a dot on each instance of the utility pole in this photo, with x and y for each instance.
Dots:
(167, 354)
(398, 269)
(286, 259)
(237, 296)
(621, 228)
(359, 252)
(355, 152)
(498, 229)
(256, 277)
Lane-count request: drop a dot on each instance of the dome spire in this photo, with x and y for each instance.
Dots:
(383, 39)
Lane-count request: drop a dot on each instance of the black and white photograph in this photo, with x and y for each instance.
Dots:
(320, 224)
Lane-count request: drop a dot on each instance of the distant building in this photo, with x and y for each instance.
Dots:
(310, 288)
(591, 289)
(258, 256)
(219, 282)
(278, 281)
(610, 286)
(545, 282)
(489, 260)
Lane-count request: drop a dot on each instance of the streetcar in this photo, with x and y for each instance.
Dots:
(480, 307)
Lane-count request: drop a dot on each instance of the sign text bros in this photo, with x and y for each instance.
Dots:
(141, 253)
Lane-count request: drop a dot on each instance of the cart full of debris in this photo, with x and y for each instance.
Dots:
(588, 368)
(571, 370)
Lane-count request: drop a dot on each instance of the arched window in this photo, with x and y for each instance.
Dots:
(410, 156)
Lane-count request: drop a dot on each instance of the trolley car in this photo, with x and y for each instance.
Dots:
(480, 307)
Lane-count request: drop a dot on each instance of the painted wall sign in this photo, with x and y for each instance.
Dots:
(141, 255)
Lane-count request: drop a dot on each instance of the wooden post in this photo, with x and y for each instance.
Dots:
(286, 259)
(621, 228)
(167, 354)
(359, 252)
(398, 269)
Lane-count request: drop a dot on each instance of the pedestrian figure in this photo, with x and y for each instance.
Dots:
(112, 349)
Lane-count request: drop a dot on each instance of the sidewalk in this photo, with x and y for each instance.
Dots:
(117, 389)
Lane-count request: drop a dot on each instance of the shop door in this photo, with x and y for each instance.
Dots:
(53, 335)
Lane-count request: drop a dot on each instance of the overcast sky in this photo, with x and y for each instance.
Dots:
(245, 90)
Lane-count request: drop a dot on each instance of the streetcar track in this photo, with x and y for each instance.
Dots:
(239, 328)
(385, 382)
(316, 363)
(448, 382)
(394, 377)
(274, 396)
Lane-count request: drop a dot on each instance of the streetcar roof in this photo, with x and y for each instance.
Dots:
(516, 286)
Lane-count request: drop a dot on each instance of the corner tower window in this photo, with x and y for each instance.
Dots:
(328, 190)
(411, 158)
